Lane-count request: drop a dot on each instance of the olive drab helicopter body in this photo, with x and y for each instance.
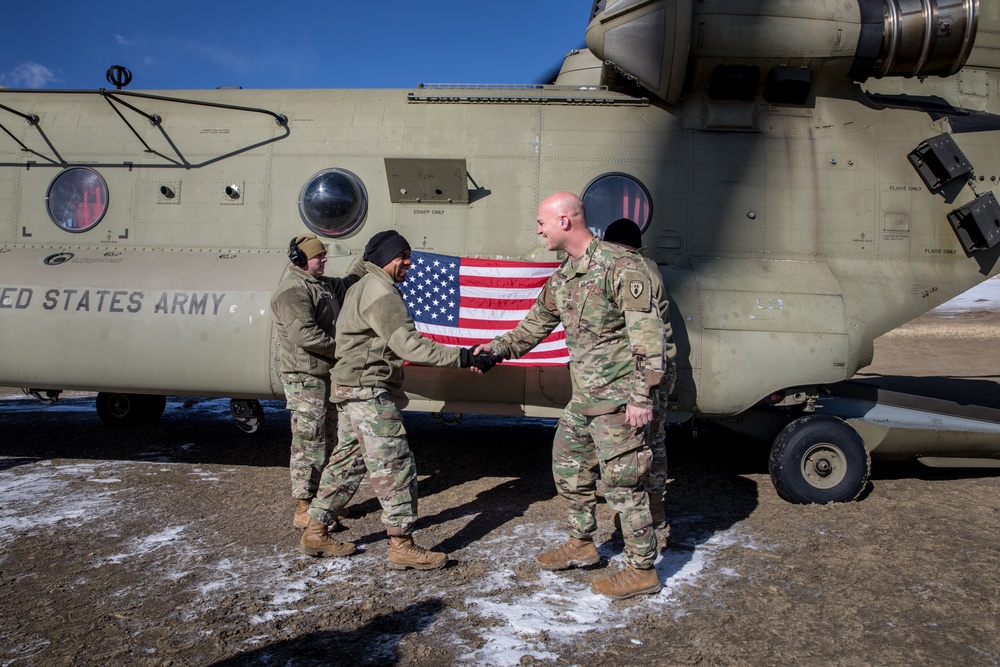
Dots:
(808, 176)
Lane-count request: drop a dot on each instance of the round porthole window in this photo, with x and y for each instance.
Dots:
(333, 202)
(77, 199)
(610, 197)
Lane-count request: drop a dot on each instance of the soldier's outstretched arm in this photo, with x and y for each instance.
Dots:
(539, 322)
(389, 318)
(355, 272)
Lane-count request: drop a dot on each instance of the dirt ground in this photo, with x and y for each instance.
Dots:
(172, 545)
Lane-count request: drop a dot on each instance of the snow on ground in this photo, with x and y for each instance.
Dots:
(984, 296)
(514, 618)
(24, 497)
(565, 608)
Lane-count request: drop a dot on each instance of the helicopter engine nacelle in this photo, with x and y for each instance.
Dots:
(670, 46)
(648, 41)
(915, 37)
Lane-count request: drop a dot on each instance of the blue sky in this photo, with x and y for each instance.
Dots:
(255, 44)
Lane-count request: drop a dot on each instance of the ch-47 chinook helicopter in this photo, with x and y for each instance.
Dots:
(809, 175)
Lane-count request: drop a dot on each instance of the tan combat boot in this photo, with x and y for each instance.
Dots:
(573, 552)
(404, 553)
(628, 583)
(301, 519)
(316, 542)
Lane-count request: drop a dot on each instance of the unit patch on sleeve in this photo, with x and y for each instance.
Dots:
(638, 295)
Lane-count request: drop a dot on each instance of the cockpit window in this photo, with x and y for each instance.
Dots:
(610, 197)
(333, 202)
(77, 199)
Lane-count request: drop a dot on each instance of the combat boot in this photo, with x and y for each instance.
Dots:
(316, 542)
(573, 552)
(628, 583)
(301, 519)
(404, 553)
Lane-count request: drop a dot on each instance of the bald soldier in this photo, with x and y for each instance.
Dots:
(602, 296)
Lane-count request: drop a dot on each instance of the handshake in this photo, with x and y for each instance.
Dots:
(482, 362)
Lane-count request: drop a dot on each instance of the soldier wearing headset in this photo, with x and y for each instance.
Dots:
(305, 308)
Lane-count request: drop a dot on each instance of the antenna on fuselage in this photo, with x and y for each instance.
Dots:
(118, 76)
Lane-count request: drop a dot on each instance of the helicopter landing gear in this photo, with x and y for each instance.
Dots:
(116, 409)
(249, 414)
(819, 459)
(46, 396)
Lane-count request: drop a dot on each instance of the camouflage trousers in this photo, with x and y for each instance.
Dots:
(656, 477)
(371, 437)
(314, 425)
(586, 447)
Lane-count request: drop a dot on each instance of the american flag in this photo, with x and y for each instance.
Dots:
(464, 301)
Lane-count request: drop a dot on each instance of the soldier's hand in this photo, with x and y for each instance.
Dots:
(480, 362)
(485, 361)
(636, 416)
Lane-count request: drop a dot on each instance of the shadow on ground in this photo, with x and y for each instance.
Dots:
(374, 643)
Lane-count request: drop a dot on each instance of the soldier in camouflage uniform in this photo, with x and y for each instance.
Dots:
(375, 335)
(601, 294)
(304, 309)
(626, 233)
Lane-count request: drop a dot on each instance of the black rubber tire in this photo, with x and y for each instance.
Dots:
(117, 409)
(819, 459)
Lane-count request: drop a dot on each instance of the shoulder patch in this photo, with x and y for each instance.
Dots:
(637, 293)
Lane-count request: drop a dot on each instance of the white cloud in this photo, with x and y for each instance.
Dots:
(123, 41)
(28, 75)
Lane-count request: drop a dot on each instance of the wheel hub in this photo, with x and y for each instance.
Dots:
(824, 466)
(120, 406)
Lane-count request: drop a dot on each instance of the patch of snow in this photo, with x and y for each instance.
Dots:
(984, 296)
(564, 608)
(141, 547)
(26, 494)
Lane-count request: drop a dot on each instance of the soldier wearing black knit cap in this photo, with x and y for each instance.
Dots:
(375, 335)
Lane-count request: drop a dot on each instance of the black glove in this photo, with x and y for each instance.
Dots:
(484, 361)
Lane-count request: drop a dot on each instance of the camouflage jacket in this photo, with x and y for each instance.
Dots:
(375, 335)
(614, 333)
(305, 311)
